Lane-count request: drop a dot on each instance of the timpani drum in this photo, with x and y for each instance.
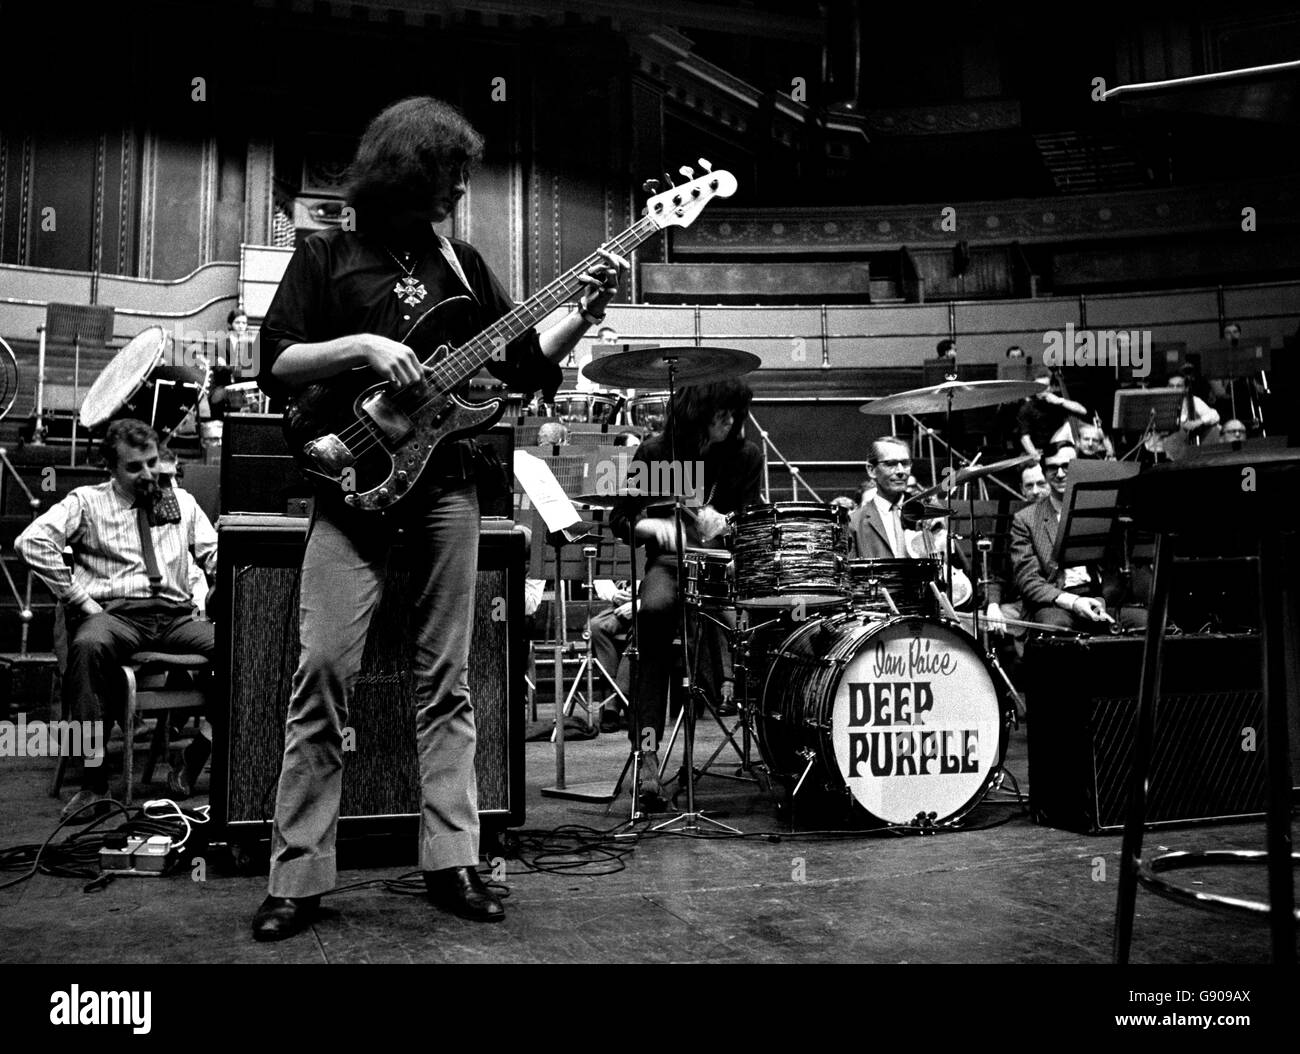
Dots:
(790, 553)
(150, 381)
(900, 715)
(648, 411)
(586, 407)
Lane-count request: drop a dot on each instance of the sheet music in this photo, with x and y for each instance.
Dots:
(545, 492)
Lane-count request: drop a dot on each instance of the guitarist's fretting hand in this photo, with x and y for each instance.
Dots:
(602, 281)
(394, 362)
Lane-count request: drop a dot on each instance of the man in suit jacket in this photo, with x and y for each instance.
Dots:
(1070, 597)
(875, 526)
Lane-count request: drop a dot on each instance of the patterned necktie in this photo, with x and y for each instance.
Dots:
(896, 521)
(146, 548)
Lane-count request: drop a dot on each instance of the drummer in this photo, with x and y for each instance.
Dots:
(708, 424)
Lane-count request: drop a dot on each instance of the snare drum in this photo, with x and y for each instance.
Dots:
(246, 397)
(586, 407)
(900, 715)
(150, 381)
(790, 553)
(710, 578)
(649, 411)
(907, 582)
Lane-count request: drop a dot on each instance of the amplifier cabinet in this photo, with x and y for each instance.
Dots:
(1208, 751)
(257, 653)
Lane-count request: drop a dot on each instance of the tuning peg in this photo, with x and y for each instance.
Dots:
(705, 164)
(669, 180)
(687, 171)
(651, 186)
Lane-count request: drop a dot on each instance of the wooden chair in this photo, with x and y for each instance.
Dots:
(147, 676)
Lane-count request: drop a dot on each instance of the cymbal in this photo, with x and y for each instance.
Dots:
(965, 395)
(980, 471)
(969, 473)
(648, 367)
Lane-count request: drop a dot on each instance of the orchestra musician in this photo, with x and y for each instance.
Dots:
(1077, 598)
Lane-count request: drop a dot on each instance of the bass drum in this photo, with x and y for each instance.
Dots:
(900, 714)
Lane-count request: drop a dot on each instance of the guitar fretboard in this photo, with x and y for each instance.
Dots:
(465, 361)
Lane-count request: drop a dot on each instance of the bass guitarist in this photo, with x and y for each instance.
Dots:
(335, 328)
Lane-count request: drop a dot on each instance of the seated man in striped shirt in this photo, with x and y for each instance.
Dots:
(128, 588)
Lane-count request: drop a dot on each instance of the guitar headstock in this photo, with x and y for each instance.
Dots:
(679, 205)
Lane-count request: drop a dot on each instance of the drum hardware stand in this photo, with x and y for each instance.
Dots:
(728, 733)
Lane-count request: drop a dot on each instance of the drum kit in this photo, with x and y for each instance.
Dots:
(857, 684)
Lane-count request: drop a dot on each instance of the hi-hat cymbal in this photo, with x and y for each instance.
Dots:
(964, 395)
(648, 367)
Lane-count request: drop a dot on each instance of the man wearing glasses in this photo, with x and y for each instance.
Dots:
(1069, 597)
(876, 527)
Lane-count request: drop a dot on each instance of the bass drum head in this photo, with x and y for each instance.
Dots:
(916, 726)
(123, 376)
(901, 715)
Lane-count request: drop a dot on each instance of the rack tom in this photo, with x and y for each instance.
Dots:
(790, 553)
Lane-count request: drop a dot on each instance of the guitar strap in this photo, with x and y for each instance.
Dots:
(449, 254)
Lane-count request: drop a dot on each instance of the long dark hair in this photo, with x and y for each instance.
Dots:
(399, 155)
(695, 405)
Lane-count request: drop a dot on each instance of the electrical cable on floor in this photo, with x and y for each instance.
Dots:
(77, 856)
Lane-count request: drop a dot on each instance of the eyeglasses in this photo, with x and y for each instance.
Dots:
(1057, 469)
(890, 466)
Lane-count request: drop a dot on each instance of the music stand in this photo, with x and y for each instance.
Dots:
(1151, 411)
(1015, 370)
(1224, 362)
(1092, 513)
(69, 324)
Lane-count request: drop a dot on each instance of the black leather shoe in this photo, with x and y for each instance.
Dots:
(281, 917)
(460, 891)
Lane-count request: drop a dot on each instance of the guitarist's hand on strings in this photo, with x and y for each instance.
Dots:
(602, 282)
(393, 361)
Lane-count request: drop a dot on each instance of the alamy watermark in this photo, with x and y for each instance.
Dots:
(1127, 348)
(651, 479)
(53, 739)
(195, 349)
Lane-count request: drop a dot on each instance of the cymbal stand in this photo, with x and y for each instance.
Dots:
(691, 818)
(728, 733)
(634, 755)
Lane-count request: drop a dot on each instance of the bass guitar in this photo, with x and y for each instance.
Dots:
(373, 444)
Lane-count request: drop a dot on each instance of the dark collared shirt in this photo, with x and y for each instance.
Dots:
(340, 282)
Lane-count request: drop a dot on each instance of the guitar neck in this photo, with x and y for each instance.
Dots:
(465, 361)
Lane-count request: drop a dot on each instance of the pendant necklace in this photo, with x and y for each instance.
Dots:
(409, 289)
